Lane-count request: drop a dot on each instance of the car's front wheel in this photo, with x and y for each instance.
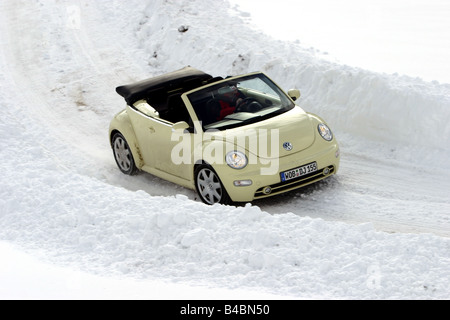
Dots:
(123, 155)
(209, 187)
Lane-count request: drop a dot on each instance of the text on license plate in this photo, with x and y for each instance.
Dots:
(298, 172)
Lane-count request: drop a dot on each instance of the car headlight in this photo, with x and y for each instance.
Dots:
(325, 132)
(236, 160)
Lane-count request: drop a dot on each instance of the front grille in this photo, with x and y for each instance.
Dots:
(295, 183)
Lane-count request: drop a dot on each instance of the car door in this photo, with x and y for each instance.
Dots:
(154, 136)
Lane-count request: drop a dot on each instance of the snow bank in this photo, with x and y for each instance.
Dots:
(74, 219)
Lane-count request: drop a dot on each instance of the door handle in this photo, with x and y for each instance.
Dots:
(152, 130)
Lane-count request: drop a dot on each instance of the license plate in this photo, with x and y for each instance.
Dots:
(298, 172)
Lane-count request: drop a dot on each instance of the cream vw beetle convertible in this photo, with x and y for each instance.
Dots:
(232, 140)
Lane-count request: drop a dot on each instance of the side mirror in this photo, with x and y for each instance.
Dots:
(180, 126)
(294, 94)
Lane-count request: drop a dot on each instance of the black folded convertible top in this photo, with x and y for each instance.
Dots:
(187, 78)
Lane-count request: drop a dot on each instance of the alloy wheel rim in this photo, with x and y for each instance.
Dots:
(209, 186)
(122, 154)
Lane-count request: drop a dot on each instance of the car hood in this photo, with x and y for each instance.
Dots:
(272, 138)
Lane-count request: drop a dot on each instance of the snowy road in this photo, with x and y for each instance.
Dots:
(66, 72)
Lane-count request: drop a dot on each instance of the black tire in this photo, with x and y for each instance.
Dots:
(209, 187)
(123, 155)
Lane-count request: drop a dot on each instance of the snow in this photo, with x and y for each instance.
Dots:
(384, 36)
(73, 227)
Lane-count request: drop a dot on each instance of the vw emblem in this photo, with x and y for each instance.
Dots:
(287, 146)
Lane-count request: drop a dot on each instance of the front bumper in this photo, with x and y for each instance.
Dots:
(263, 186)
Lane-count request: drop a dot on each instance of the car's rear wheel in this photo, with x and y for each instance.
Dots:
(123, 155)
(209, 187)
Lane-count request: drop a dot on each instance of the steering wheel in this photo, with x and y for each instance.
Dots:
(248, 105)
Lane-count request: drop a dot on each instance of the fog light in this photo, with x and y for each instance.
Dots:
(326, 171)
(267, 190)
(242, 183)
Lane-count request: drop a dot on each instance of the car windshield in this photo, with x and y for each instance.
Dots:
(239, 101)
